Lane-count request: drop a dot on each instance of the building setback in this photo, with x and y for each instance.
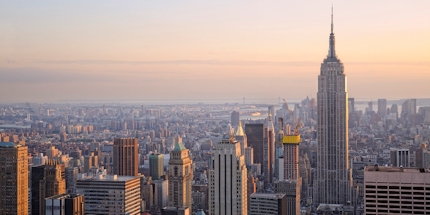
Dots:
(180, 177)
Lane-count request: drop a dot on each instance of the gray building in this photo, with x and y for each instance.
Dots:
(268, 203)
(156, 166)
(332, 183)
(382, 107)
(400, 157)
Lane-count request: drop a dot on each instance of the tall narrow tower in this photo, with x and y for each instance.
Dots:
(13, 179)
(180, 177)
(228, 179)
(333, 178)
(125, 158)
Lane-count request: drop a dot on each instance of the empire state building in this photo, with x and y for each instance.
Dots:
(333, 178)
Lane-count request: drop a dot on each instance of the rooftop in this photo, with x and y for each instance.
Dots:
(179, 147)
(108, 178)
(268, 195)
(9, 144)
(395, 169)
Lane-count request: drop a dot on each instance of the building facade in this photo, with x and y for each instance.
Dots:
(180, 177)
(13, 179)
(268, 203)
(333, 182)
(53, 183)
(156, 166)
(65, 204)
(393, 190)
(228, 179)
(110, 194)
(125, 156)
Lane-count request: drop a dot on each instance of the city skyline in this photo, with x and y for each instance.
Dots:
(55, 51)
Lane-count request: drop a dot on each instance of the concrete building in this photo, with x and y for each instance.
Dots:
(162, 192)
(13, 179)
(393, 190)
(176, 211)
(180, 177)
(269, 151)
(227, 179)
(291, 190)
(268, 203)
(332, 184)
(400, 157)
(249, 156)
(65, 204)
(100, 190)
(240, 137)
(235, 118)
(156, 166)
(125, 157)
(382, 107)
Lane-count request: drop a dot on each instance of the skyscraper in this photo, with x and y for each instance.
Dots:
(255, 134)
(269, 151)
(235, 118)
(65, 204)
(333, 177)
(156, 166)
(53, 183)
(240, 136)
(228, 179)
(13, 179)
(125, 158)
(382, 107)
(180, 177)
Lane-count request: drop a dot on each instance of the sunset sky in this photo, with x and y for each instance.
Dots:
(52, 51)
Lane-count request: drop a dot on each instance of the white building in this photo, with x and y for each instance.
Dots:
(110, 194)
(228, 179)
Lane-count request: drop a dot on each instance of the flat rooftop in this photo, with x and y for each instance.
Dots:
(109, 178)
(268, 195)
(395, 169)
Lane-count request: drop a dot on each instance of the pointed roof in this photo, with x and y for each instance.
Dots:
(331, 57)
(179, 147)
(239, 131)
(269, 123)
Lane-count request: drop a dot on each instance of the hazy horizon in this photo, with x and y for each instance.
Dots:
(106, 50)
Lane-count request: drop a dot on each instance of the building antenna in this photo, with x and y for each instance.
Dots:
(332, 18)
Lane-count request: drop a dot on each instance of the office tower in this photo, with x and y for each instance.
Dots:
(269, 151)
(13, 179)
(71, 174)
(156, 166)
(125, 158)
(51, 152)
(240, 136)
(392, 190)
(291, 157)
(228, 179)
(351, 105)
(279, 157)
(271, 111)
(180, 177)
(382, 107)
(123, 191)
(291, 189)
(370, 107)
(37, 174)
(333, 177)
(53, 183)
(423, 157)
(251, 188)
(249, 156)
(400, 157)
(256, 134)
(235, 118)
(162, 192)
(63, 137)
(65, 204)
(88, 163)
(148, 193)
(394, 109)
(268, 203)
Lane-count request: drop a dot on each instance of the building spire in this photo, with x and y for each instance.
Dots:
(332, 18)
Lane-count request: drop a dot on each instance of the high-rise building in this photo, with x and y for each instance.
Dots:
(235, 118)
(382, 107)
(269, 151)
(423, 157)
(393, 190)
(13, 179)
(65, 204)
(256, 134)
(351, 105)
(394, 109)
(162, 192)
(332, 184)
(400, 157)
(53, 183)
(180, 177)
(228, 179)
(125, 157)
(240, 136)
(291, 190)
(156, 166)
(271, 111)
(37, 174)
(268, 203)
(110, 194)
